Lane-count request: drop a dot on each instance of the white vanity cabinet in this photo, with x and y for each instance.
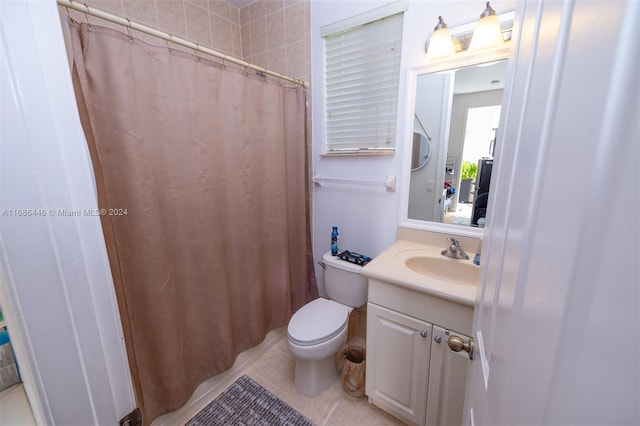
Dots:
(398, 348)
(411, 371)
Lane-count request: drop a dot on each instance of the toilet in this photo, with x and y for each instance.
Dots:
(318, 330)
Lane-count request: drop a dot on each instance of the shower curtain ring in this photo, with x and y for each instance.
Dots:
(86, 14)
(169, 38)
(196, 50)
(129, 29)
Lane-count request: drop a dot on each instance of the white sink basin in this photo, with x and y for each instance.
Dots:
(445, 269)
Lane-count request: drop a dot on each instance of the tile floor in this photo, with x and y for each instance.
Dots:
(14, 407)
(273, 368)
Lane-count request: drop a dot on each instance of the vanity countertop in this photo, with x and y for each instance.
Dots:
(390, 267)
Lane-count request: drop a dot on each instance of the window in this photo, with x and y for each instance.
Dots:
(361, 79)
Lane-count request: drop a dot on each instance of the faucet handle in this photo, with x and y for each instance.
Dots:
(455, 251)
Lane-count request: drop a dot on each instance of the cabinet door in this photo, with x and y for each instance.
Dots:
(447, 380)
(397, 363)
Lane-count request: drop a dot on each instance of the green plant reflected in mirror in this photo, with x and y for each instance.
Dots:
(469, 171)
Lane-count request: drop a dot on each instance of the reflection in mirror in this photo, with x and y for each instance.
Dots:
(421, 148)
(460, 109)
(420, 151)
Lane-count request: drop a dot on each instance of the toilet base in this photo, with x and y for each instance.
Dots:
(313, 377)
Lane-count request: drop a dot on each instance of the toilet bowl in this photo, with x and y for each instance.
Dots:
(318, 330)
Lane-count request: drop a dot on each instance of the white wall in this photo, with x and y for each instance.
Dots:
(55, 282)
(368, 216)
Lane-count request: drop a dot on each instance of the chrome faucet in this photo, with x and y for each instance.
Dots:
(454, 250)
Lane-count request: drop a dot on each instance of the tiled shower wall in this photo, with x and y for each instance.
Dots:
(276, 35)
(273, 34)
(211, 23)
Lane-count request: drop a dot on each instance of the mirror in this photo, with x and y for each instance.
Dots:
(420, 151)
(457, 113)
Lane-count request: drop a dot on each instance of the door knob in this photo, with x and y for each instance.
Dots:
(424, 333)
(456, 344)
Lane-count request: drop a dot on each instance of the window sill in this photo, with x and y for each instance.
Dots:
(359, 153)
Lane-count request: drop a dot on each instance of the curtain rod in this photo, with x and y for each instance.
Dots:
(83, 8)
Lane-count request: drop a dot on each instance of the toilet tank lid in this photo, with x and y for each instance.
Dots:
(336, 262)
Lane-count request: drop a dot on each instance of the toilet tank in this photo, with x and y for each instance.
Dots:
(343, 282)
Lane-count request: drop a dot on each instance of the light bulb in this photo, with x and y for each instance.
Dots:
(487, 32)
(440, 43)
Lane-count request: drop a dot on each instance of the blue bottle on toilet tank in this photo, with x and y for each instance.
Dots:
(334, 241)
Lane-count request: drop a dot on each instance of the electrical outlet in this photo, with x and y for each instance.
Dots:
(430, 185)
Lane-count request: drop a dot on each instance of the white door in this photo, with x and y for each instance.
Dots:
(398, 349)
(557, 323)
(55, 283)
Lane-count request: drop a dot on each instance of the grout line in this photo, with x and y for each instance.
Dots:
(333, 409)
(211, 38)
(206, 9)
(155, 7)
(184, 15)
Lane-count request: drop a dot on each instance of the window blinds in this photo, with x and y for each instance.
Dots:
(362, 69)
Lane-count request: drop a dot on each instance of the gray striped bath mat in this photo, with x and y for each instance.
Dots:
(247, 403)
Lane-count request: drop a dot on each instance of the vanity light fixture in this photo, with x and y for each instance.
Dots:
(440, 42)
(487, 33)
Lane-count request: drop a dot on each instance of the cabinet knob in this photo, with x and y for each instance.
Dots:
(424, 333)
(456, 344)
(438, 339)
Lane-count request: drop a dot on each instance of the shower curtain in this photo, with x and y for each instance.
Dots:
(202, 174)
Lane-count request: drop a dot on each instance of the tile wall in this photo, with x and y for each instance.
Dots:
(273, 34)
(211, 23)
(276, 35)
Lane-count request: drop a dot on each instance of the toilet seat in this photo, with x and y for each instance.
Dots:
(318, 321)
